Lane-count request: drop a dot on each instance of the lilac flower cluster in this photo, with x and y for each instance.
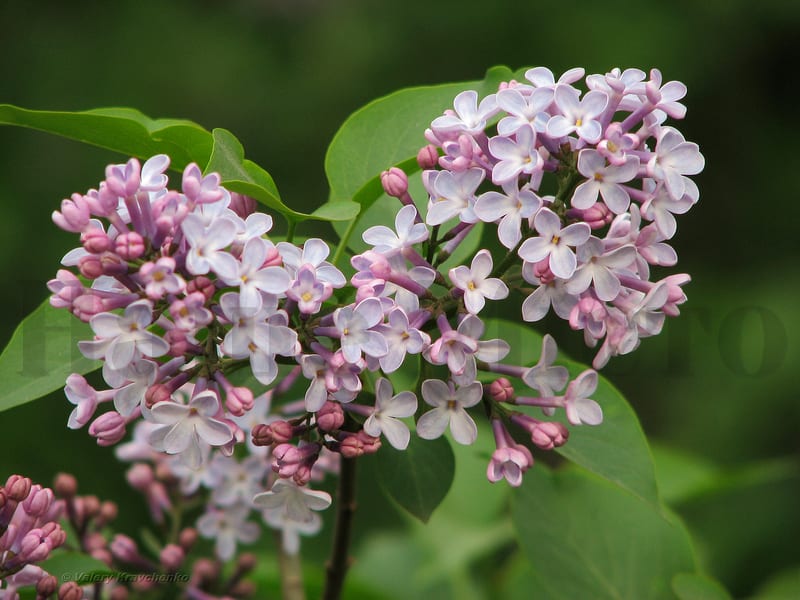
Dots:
(29, 532)
(587, 239)
(182, 289)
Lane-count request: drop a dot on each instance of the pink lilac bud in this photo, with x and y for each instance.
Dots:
(351, 446)
(90, 266)
(158, 392)
(394, 182)
(303, 474)
(74, 215)
(129, 245)
(113, 264)
(70, 591)
(239, 400)
(65, 485)
(187, 538)
(273, 258)
(286, 459)
(501, 390)
(119, 593)
(428, 157)
(261, 435)
(38, 501)
(172, 557)
(95, 240)
(140, 477)
(244, 206)
(124, 180)
(87, 306)
(46, 586)
(597, 216)
(108, 512)
(370, 443)
(330, 417)
(108, 428)
(178, 344)
(282, 431)
(91, 506)
(94, 541)
(124, 548)
(17, 487)
(542, 272)
(201, 284)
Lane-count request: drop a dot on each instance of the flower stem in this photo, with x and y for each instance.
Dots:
(339, 561)
(291, 573)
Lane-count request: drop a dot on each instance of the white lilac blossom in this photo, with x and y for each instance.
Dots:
(187, 426)
(385, 417)
(449, 411)
(228, 527)
(476, 283)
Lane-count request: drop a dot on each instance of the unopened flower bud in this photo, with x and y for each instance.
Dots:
(501, 390)
(91, 506)
(596, 216)
(70, 591)
(129, 245)
(302, 475)
(74, 215)
(124, 548)
(156, 393)
(244, 206)
(95, 240)
(394, 182)
(65, 485)
(86, 306)
(205, 570)
(17, 487)
(282, 431)
(201, 284)
(108, 511)
(187, 538)
(46, 586)
(140, 477)
(90, 266)
(371, 444)
(38, 501)
(549, 435)
(178, 344)
(261, 435)
(238, 400)
(428, 157)
(172, 557)
(351, 447)
(108, 428)
(330, 417)
(273, 258)
(113, 264)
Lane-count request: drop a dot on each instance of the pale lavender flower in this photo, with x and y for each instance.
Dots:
(550, 292)
(598, 267)
(554, 243)
(543, 376)
(296, 502)
(252, 278)
(409, 232)
(385, 417)
(579, 116)
(84, 397)
(160, 278)
(510, 208)
(580, 408)
(308, 291)
(452, 195)
(603, 180)
(314, 253)
(662, 207)
(673, 159)
(124, 338)
(469, 117)
(401, 339)
(542, 77)
(206, 246)
(355, 326)
(186, 428)
(449, 411)
(523, 111)
(228, 527)
(515, 157)
(238, 481)
(476, 283)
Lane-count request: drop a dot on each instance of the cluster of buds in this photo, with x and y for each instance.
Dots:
(184, 288)
(29, 532)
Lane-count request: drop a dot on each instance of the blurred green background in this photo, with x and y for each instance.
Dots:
(717, 392)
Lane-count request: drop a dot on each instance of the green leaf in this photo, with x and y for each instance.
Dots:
(617, 449)
(75, 566)
(41, 354)
(696, 586)
(389, 132)
(123, 130)
(419, 477)
(587, 538)
(785, 585)
(246, 177)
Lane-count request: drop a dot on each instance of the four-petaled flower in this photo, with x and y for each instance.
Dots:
(450, 404)
(385, 416)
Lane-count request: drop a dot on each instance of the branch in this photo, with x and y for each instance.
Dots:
(339, 562)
